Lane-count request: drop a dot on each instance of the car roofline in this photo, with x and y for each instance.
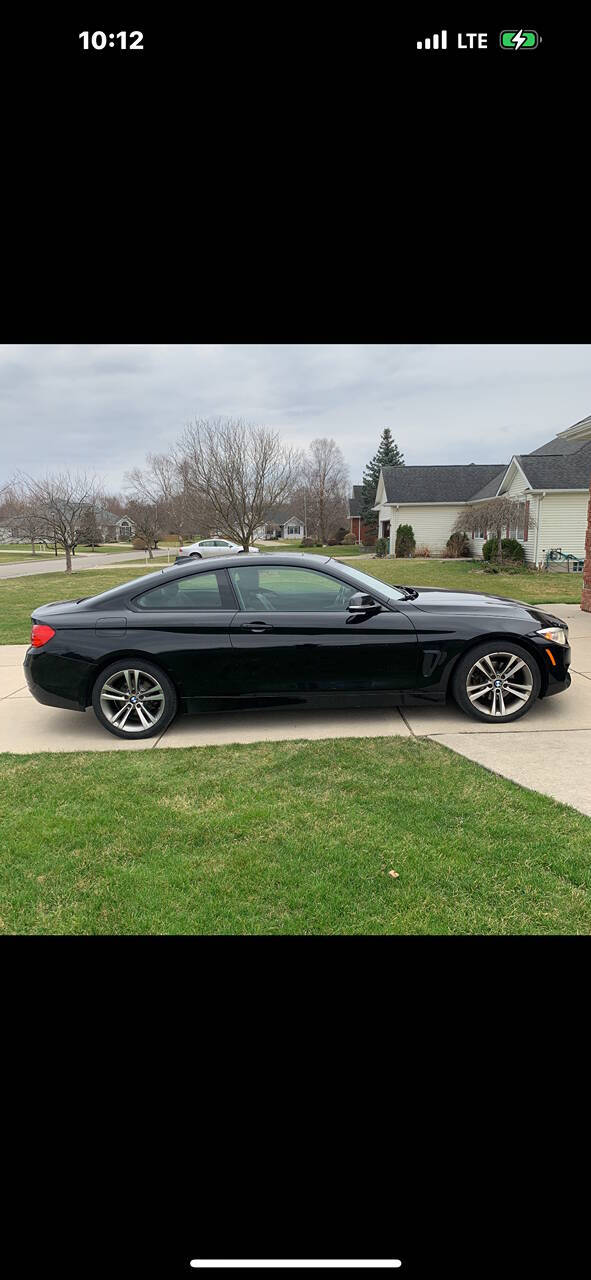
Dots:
(127, 590)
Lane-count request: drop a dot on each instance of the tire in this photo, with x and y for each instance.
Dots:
(115, 691)
(476, 692)
(195, 555)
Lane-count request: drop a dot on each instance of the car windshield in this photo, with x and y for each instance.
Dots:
(367, 583)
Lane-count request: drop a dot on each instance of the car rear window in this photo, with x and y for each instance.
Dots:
(197, 591)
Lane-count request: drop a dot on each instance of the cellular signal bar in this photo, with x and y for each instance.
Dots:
(309, 1263)
(433, 42)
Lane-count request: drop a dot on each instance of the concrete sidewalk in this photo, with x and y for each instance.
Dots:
(549, 750)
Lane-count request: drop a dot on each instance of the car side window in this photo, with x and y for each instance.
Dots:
(290, 589)
(196, 591)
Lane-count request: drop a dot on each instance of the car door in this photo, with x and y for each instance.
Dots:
(294, 634)
(184, 624)
(208, 548)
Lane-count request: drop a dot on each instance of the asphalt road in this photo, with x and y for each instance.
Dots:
(91, 561)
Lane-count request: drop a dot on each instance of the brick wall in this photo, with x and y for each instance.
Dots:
(586, 597)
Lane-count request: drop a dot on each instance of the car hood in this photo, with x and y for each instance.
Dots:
(436, 600)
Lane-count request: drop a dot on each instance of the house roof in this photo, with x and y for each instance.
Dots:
(582, 428)
(108, 517)
(489, 490)
(557, 446)
(440, 483)
(281, 515)
(355, 500)
(560, 470)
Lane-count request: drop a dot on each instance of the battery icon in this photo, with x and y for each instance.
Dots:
(519, 39)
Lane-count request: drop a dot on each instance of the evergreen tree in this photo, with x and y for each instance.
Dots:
(388, 455)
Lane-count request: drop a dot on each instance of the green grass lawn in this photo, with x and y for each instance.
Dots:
(19, 596)
(461, 575)
(22, 551)
(285, 838)
(11, 557)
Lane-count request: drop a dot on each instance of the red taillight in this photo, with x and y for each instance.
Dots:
(40, 634)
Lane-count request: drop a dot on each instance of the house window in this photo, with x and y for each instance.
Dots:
(293, 528)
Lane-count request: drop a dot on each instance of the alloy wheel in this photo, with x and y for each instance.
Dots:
(132, 700)
(499, 684)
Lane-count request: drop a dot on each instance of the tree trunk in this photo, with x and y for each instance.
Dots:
(150, 556)
(68, 558)
(33, 548)
(500, 546)
(55, 545)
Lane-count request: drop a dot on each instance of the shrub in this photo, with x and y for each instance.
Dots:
(332, 542)
(308, 542)
(381, 548)
(423, 552)
(349, 540)
(457, 545)
(405, 540)
(139, 543)
(511, 549)
(370, 539)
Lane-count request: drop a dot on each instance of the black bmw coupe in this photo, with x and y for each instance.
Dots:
(288, 631)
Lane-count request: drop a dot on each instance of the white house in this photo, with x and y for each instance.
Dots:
(553, 482)
(281, 522)
(429, 499)
(115, 528)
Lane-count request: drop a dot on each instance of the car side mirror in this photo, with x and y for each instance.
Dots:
(361, 603)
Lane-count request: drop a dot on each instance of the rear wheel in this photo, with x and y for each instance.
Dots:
(134, 699)
(195, 555)
(496, 682)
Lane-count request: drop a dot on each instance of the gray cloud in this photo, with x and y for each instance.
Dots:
(103, 407)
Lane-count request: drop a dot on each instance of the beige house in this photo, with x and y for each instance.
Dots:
(553, 482)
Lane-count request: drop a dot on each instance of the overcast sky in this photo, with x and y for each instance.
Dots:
(101, 408)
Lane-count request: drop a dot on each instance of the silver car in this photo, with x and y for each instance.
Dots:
(212, 547)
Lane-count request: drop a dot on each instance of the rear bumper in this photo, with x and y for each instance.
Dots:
(45, 680)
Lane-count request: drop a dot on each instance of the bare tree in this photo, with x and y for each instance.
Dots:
(325, 483)
(147, 518)
(236, 471)
(163, 484)
(61, 501)
(494, 513)
(23, 516)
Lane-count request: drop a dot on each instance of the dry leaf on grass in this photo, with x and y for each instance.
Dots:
(395, 875)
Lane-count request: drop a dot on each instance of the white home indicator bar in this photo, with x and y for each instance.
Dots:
(253, 1263)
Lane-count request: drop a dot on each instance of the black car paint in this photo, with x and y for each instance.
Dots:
(401, 653)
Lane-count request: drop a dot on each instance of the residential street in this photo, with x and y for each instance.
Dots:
(549, 750)
(23, 568)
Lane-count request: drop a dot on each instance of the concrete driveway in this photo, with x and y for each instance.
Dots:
(549, 750)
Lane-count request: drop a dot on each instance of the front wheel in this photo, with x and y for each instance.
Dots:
(496, 682)
(134, 699)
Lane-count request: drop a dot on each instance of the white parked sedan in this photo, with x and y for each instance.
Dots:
(212, 547)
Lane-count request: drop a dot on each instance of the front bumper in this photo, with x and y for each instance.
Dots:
(555, 668)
